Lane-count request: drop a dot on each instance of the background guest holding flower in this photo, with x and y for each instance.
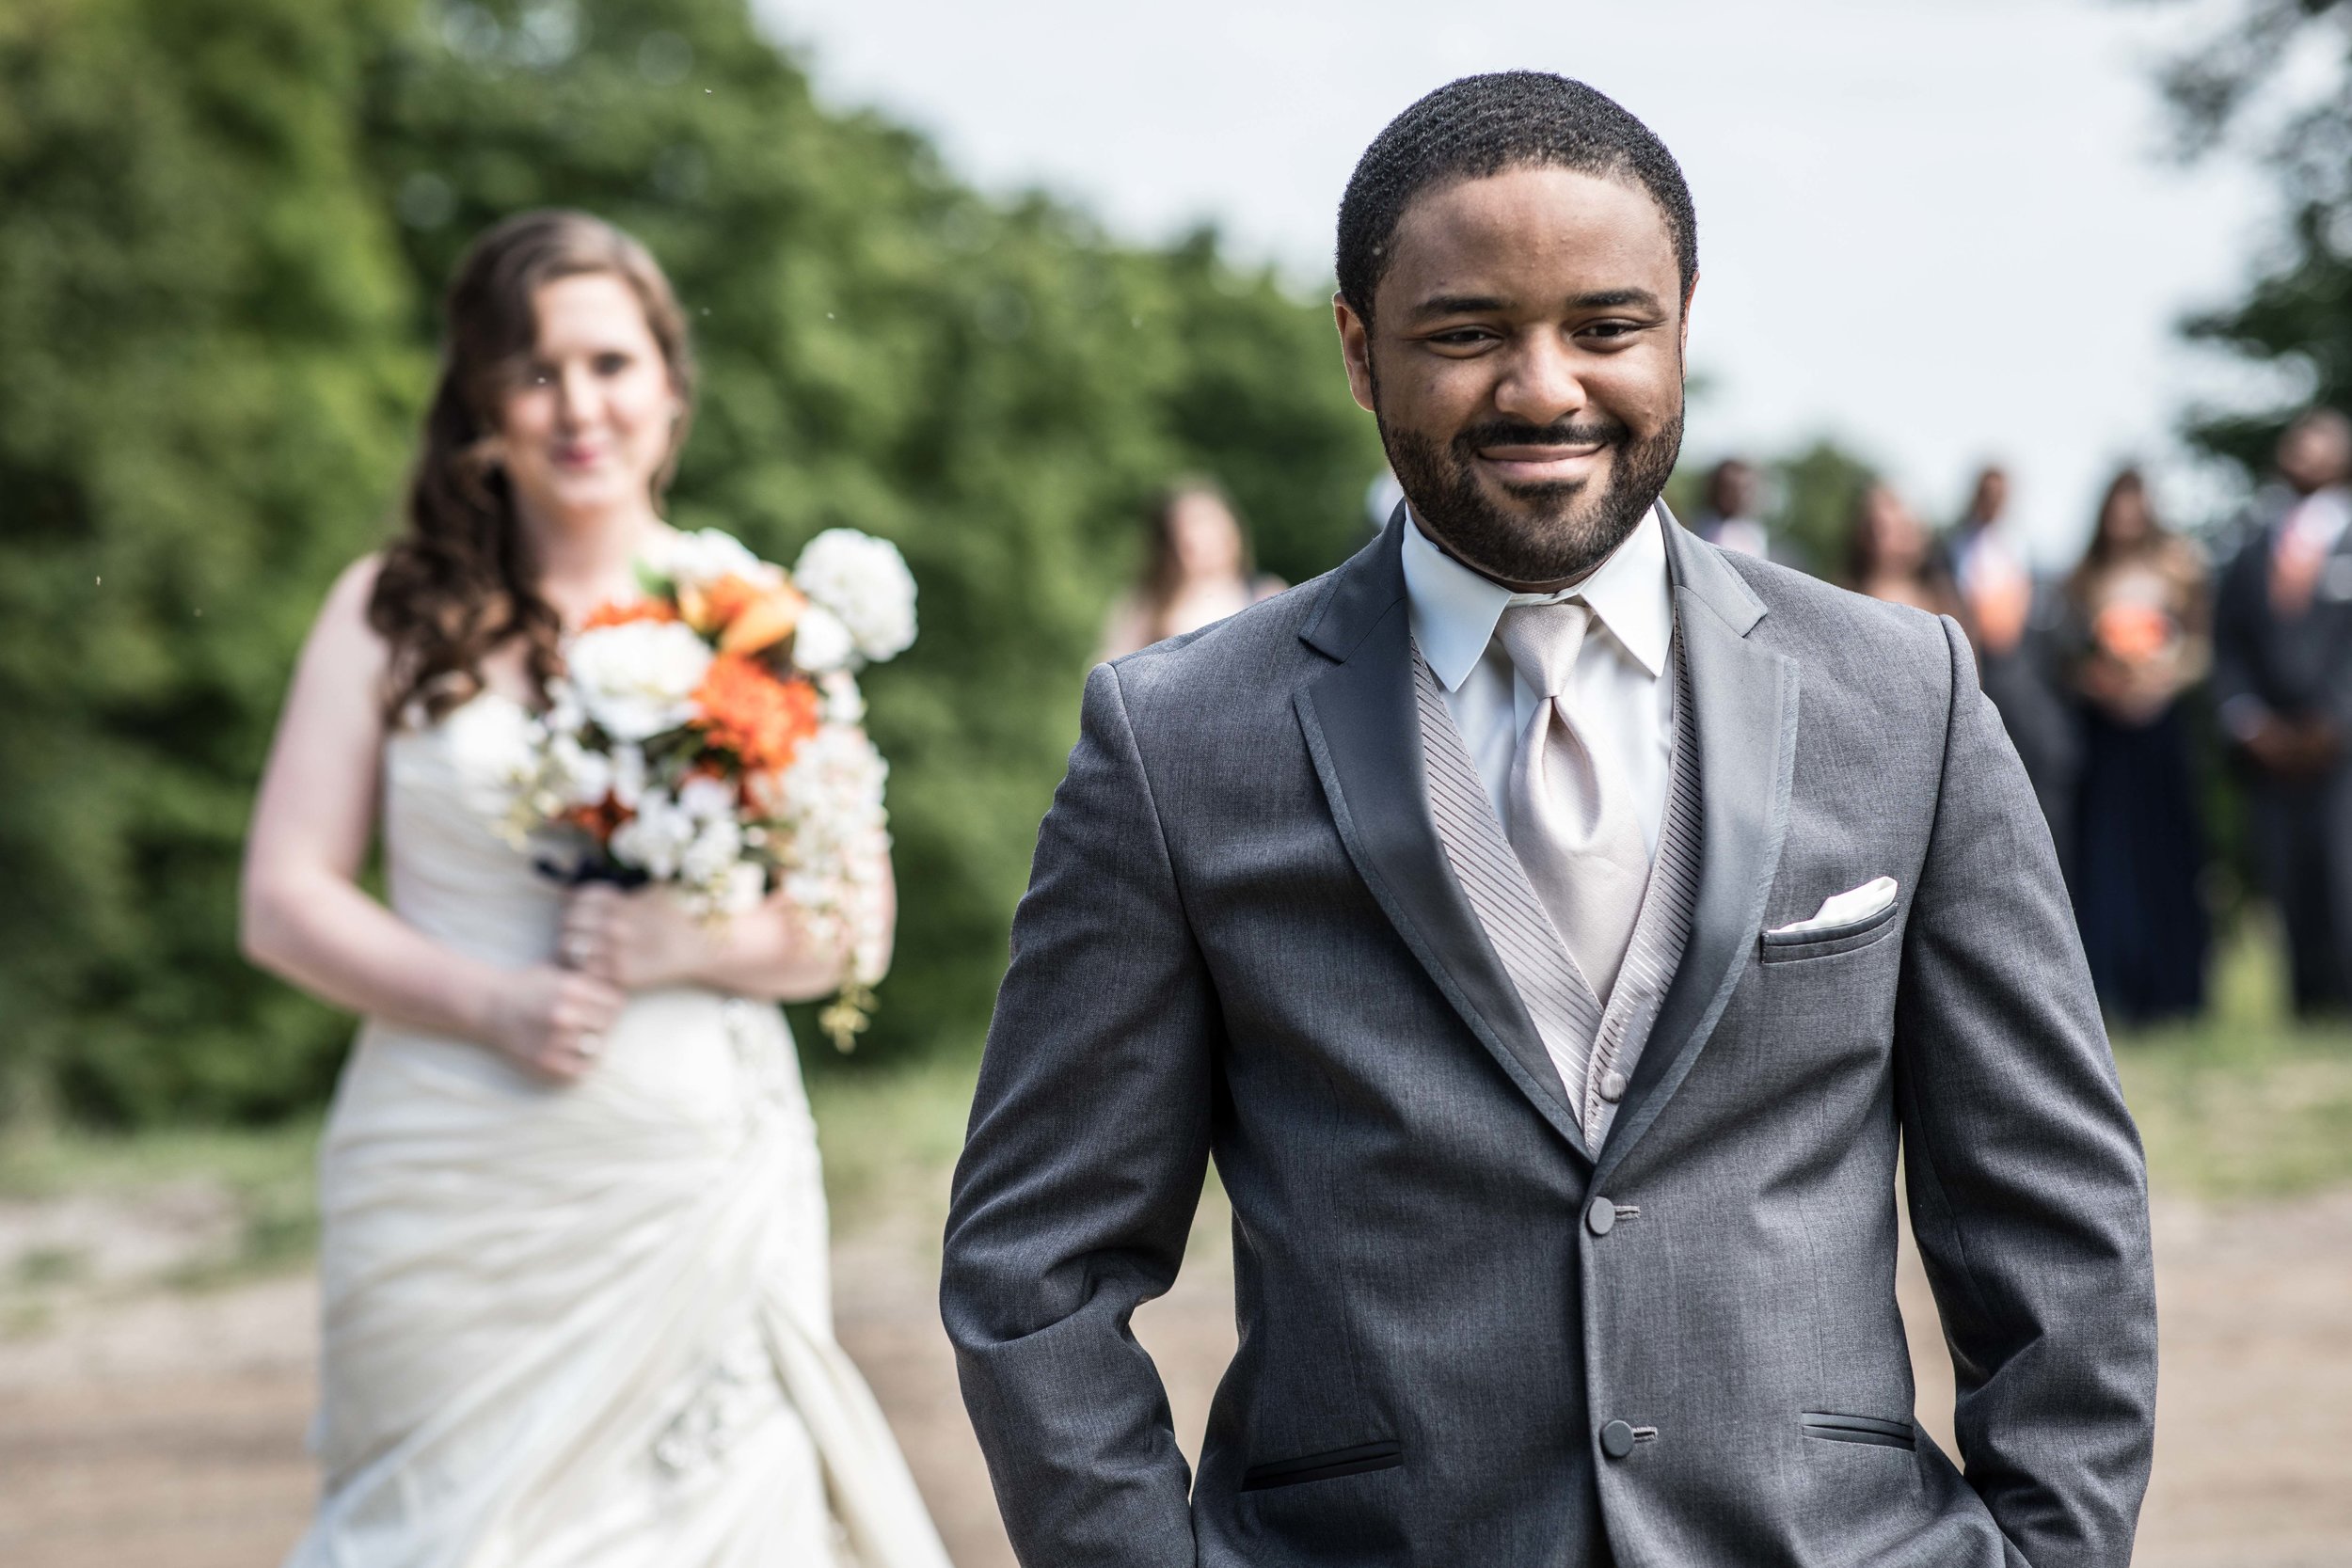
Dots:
(2139, 601)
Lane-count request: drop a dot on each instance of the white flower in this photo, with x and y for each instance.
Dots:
(582, 777)
(564, 715)
(716, 847)
(635, 679)
(655, 840)
(628, 774)
(492, 742)
(844, 704)
(707, 799)
(704, 557)
(866, 583)
(822, 643)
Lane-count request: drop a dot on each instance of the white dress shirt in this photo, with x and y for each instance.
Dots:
(1620, 697)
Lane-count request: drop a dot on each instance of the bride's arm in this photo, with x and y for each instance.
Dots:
(647, 937)
(304, 916)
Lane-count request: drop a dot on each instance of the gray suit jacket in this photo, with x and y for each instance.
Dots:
(1464, 1337)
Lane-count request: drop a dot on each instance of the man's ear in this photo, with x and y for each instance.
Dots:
(1684, 331)
(1354, 351)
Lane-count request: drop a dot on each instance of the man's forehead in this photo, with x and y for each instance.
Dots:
(1532, 214)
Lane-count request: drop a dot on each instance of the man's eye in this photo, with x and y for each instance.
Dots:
(1609, 329)
(612, 364)
(1463, 337)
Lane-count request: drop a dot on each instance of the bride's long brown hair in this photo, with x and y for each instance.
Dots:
(461, 581)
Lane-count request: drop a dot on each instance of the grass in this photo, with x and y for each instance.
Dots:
(890, 1136)
(266, 1174)
(2246, 1102)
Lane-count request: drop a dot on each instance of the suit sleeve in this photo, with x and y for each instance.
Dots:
(1088, 1145)
(2026, 1185)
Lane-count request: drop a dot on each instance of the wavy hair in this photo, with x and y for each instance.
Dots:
(461, 580)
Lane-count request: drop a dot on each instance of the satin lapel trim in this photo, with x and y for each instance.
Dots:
(1744, 708)
(1363, 731)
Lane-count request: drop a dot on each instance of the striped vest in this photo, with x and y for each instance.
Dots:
(1594, 1048)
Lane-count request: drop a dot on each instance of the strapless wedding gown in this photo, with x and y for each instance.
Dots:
(586, 1326)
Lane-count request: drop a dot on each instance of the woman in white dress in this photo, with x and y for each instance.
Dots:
(577, 1308)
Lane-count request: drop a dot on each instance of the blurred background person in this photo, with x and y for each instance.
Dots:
(1890, 555)
(2018, 625)
(1197, 569)
(2283, 678)
(574, 1255)
(2141, 612)
(1730, 516)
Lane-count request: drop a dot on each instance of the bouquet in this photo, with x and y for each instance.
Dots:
(708, 735)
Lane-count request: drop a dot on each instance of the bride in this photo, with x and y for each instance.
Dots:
(577, 1308)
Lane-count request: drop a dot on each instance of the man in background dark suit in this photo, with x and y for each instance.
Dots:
(2283, 678)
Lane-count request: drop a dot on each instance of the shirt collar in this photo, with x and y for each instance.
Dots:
(1454, 610)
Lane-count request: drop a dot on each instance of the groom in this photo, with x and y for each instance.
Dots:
(1553, 926)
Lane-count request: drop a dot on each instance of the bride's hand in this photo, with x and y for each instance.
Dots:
(553, 1021)
(633, 940)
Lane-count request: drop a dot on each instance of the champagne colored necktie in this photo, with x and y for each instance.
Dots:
(1572, 821)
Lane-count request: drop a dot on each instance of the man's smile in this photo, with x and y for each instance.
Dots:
(1547, 463)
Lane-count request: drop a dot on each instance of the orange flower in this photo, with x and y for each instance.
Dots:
(619, 614)
(2132, 633)
(764, 620)
(746, 615)
(759, 716)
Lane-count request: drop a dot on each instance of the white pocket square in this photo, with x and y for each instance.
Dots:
(1844, 909)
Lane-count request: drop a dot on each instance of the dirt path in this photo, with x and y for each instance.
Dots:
(165, 1432)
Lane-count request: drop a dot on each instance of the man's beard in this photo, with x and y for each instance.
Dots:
(1567, 531)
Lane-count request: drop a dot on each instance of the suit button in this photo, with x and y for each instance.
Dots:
(1600, 1216)
(1617, 1440)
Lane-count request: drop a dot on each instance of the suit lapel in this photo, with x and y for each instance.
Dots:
(1745, 711)
(1363, 732)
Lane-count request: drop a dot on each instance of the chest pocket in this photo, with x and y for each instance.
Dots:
(1783, 947)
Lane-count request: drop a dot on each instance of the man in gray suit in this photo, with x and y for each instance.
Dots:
(1552, 926)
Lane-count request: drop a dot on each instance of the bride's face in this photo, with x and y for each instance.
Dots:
(588, 424)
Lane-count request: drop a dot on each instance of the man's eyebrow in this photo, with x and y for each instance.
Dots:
(1476, 305)
(1457, 304)
(1605, 300)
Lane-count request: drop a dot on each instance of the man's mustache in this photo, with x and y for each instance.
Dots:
(1518, 433)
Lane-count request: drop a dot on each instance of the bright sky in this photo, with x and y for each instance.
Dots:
(1940, 231)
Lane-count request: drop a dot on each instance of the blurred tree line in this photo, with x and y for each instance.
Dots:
(2276, 78)
(226, 226)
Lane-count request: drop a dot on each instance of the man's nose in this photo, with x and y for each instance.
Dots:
(1541, 384)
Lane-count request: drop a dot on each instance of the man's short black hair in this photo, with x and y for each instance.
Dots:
(1482, 125)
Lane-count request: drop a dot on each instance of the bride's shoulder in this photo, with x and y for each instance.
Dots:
(343, 634)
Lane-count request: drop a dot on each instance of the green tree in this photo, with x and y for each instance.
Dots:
(203, 326)
(229, 224)
(2248, 83)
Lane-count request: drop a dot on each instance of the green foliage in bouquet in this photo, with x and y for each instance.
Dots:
(227, 222)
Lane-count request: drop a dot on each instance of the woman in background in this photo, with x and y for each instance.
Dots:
(1891, 556)
(573, 1262)
(1197, 571)
(2139, 600)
